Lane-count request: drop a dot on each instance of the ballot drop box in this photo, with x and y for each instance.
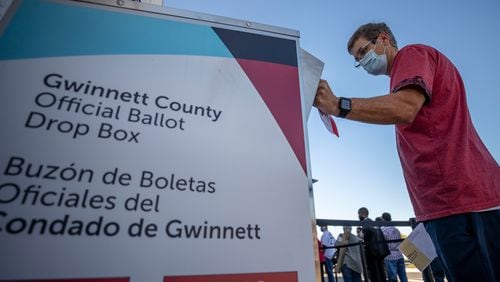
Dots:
(142, 143)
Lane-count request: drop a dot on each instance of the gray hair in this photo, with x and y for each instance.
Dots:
(371, 31)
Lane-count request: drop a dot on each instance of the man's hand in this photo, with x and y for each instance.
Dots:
(325, 100)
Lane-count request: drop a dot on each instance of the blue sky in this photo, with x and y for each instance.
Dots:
(362, 168)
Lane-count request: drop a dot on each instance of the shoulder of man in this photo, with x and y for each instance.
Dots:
(418, 50)
(418, 47)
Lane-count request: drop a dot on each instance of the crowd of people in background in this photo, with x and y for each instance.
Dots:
(377, 245)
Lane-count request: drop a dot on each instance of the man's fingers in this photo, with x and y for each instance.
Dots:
(325, 98)
(323, 85)
(321, 92)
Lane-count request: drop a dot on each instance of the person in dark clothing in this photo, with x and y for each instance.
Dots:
(437, 270)
(374, 252)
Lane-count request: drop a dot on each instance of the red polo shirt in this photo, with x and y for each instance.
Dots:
(447, 168)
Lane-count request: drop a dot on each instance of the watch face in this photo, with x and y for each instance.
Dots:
(345, 104)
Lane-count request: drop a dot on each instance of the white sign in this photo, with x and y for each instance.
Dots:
(141, 148)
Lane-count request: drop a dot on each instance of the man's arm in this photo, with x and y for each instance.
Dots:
(400, 107)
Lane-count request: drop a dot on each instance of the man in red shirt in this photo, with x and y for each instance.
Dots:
(452, 179)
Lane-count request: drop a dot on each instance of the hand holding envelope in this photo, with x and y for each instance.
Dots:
(325, 100)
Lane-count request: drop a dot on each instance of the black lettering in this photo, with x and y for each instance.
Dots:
(5, 198)
(53, 80)
(174, 232)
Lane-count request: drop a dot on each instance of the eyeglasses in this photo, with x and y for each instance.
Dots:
(362, 52)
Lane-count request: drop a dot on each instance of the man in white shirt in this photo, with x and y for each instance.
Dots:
(328, 241)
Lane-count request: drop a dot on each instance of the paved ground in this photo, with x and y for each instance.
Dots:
(414, 275)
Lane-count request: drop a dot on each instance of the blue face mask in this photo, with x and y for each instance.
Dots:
(373, 63)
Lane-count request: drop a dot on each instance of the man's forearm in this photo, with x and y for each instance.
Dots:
(396, 108)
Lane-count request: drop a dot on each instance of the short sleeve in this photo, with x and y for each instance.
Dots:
(414, 66)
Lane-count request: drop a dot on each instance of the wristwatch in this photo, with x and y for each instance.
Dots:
(344, 106)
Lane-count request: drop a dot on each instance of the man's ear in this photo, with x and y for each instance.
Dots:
(386, 39)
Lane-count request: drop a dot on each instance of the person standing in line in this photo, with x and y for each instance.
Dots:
(358, 232)
(328, 241)
(322, 260)
(394, 263)
(374, 252)
(349, 259)
(452, 179)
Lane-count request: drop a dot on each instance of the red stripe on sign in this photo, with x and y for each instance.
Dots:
(247, 277)
(120, 279)
(279, 87)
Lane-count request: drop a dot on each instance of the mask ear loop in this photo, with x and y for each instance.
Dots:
(385, 47)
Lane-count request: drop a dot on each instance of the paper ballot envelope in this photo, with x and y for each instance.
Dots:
(311, 70)
(418, 248)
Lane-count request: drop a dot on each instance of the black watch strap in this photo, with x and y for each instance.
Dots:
(344, 107)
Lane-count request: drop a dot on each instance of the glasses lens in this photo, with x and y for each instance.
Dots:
(362, 53)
